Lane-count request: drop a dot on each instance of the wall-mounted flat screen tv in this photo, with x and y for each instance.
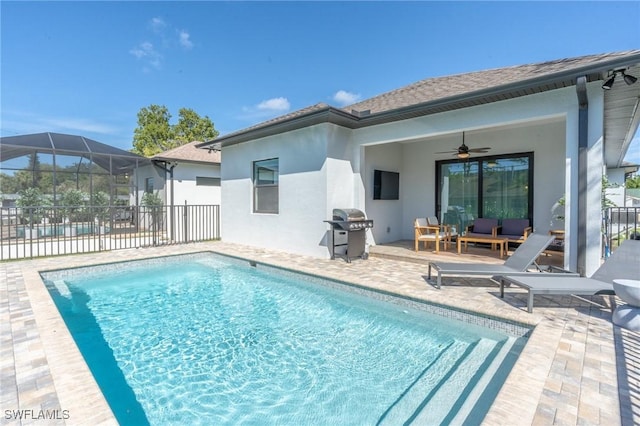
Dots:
(386, 185)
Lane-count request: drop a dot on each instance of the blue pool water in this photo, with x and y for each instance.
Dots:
(208, 340)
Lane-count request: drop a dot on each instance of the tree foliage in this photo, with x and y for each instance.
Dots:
(155, 134)
(633, 182)
(32, 201)
(41, 175)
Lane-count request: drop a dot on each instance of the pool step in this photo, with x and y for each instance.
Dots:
(62, 288)
(483, 382)
(410, 401)
(428, 400)
(440, 405)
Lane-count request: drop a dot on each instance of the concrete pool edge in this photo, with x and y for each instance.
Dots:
(77, 390)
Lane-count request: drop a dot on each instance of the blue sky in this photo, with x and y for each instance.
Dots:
(87, 68)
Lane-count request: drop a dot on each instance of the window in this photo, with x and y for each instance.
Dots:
(495, 187)
(265, 186)
(207, 181)
(148, 185)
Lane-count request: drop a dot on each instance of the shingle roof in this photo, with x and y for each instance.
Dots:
(432, 89)
(447, 93)
(298, 113)
(189, 152)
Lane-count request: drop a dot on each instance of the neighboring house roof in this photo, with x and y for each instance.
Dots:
(440, 94)
(191, 153)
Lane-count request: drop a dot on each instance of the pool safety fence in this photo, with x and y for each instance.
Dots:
(621, 223)
(29, 232)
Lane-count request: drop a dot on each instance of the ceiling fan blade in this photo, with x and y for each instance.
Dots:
(485, 149)
(453, 151)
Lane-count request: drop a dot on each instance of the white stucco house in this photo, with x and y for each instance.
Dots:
(182, 175)
(549, 130)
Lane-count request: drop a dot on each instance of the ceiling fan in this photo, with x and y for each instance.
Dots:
(464, 151)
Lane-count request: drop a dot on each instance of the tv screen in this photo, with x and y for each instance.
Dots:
(386, 185)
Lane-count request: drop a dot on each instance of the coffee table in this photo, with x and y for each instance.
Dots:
(501, 242)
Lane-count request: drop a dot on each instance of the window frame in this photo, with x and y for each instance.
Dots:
(480, 196)
(149, 185)
(257, 186)
(208, 181)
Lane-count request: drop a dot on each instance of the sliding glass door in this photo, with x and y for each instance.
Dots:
(458, 191)
(495, 187)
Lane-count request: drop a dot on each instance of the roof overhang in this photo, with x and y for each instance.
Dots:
(622, 113)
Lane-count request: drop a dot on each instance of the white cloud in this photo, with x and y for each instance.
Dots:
(164, 38)
(342, 97)
(147, 52)
(274, 105)
(185, 40)
(265, 109)
(157, 25)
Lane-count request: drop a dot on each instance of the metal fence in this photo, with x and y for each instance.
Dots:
(621, 223)
(49, 231)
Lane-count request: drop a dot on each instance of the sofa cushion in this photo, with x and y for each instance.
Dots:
(512, 237)
(514, 226)
(484, 225)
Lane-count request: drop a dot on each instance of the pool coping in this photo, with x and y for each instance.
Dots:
(521, 400)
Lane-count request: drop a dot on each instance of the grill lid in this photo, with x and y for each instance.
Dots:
(348, 215)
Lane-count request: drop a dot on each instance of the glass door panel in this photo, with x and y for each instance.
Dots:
(505, 188)
(458, 193)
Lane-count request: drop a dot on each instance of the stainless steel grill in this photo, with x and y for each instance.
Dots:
(347, 237)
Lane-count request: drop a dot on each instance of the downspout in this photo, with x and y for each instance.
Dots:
(170, 171)
(583, 151)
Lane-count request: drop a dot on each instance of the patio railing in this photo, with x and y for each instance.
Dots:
(49, 231)
(621, 223)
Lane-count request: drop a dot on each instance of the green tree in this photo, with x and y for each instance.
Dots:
(154, 204)
(73, 201)
(34, 166)
(633, 182)
(606, 202)
(100, 205)
(33, 204)
(191, 127)
(155, 134)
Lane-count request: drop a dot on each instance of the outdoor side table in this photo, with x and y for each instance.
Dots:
(628, 315)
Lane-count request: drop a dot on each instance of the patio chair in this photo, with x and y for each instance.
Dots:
(518, 263)
(426, 233)
(622, 264)
(449, 229)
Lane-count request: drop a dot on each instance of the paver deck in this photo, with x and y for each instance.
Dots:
(577, 368)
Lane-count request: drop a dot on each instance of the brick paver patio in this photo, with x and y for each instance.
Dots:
(577, 368)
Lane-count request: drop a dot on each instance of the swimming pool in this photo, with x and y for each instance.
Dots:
(205, 338)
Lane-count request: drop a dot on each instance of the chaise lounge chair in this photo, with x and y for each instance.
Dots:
(622, 264)
(518, 263)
